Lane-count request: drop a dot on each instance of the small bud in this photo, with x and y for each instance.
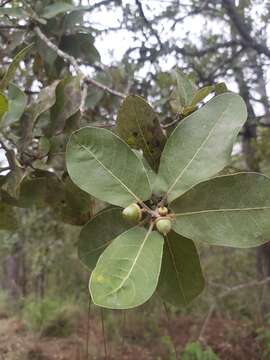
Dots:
(164, 225)
(132, 213)
(163, 211)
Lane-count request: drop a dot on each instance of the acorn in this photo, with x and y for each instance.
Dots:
(132, 213)
(164, 225)
(163, 211)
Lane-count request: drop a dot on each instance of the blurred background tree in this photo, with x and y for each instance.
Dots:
(65, 64)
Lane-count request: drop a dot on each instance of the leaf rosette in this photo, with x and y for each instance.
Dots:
(178, 184)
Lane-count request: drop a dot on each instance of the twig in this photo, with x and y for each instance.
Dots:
(223, 295)
(71, 60)
(4, 169)
(5, 2)
(103, 87)
(84, 96)
(123, 333)
(166, 310)
(88, 328)
(206, 322)
(104, 334)
(8, 27)
(3, 146)
(175, 121)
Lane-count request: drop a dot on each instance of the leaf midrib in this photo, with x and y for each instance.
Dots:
(176, 270)
(134, 263)
(142, 134)
(111, 173)
(222, 210)
(197, 152)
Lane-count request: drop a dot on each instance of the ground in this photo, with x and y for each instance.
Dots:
(230, 339)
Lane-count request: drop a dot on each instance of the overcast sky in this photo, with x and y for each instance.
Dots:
(113, 45)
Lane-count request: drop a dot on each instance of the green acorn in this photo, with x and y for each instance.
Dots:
(164, 225)
(163, 211)
(132, 213)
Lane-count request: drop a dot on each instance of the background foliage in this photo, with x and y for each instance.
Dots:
(45, 96)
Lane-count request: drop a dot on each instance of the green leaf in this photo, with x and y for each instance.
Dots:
(152, 175)
(44, 146)
(201, 145)
(13, 66)
(201, 94)
(40, 189)
(8, 219)
(93, 98)
(221, 88)
(127, 272)
(74, 206)
(55, 9)
(181, 278)
(138, 126)
(3, 105)
(185, 90)
(13, 11)
(81, 46)
(230, 210)
(13, 182)
(68, 101)
(46, 99)
(98, 233)
(17, 102)
(100, 163)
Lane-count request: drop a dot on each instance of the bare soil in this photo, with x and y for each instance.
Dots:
(230, 339)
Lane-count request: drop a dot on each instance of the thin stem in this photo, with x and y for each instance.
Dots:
(169, 328)
(88, 327)
(4, 169)
(104, 334)
(71, 60)
(123, 332)
(224, 294)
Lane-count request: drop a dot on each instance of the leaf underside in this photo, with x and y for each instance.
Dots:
(101, 164)
(201, 145)
(127, 272)
(98, 233)
(138, 125)
(230, 210)
(181, 278)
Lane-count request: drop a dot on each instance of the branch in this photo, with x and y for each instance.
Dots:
(8, 27)
(4, 169)
(243, 29)
(148, 23)
(5, 2)
(224, 294)
(66, 57)
(207, 50)
(72, 61)
(3, 146)
(101, 3)
(103, 87)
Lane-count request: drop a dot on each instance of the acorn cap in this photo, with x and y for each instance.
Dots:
(163, 211)
(132, 213)
(164, 225)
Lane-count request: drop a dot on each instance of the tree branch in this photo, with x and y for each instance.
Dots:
(148, 23)
(8, 27)
(4, 169)
(72, 61)
(5, 2)
(243, 29)
(207, 50)
(224, 294)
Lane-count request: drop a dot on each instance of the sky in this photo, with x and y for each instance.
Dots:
(113, 45)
